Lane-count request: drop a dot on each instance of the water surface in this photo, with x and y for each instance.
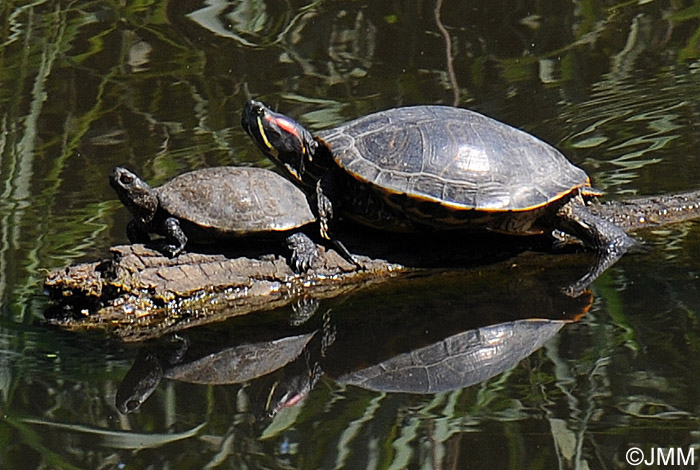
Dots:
(159, 87)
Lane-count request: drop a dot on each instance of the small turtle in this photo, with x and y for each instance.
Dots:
(214, 204)
(438, 168)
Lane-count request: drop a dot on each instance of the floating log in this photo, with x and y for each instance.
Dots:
(651, 211)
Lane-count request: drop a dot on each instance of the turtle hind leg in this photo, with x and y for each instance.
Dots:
(175, 238)
(609, 240)
(304, 251)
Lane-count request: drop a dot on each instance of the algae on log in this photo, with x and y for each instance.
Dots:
(139, 290)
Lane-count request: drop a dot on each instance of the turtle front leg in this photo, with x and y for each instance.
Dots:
(324, 207)
(175, 238)
(609, 240)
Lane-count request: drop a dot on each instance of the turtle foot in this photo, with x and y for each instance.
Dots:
(304, 252)
(170, 250)
(175, 238)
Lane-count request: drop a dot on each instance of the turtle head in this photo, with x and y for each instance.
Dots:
(283, 140)
(135, 194)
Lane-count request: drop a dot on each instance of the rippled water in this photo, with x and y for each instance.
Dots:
(159, 87)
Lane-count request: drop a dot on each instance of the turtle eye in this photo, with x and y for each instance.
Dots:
(132, 405)
(257, 107)
(126, 179)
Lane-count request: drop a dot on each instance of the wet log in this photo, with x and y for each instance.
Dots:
(137, 293)
(651, 211)
(139, 288)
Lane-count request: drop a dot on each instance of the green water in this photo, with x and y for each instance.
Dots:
(159, 87)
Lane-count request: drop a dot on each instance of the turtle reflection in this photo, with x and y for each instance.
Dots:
(413, 355)
(177, 358)
(458, 361)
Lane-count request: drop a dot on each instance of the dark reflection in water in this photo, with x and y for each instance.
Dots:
(452, 338)
(159, 87)
(406, 349)
(178, 358)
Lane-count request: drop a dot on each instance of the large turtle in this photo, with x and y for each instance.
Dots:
(435, 168)
(215, 204)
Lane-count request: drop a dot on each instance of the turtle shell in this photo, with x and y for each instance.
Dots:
(455, 157)
(236, 200)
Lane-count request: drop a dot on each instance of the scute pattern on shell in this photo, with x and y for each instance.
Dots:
(453, 156)
(236, 200)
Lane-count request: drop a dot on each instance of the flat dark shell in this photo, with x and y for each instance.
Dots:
(453, 156)
(458, 361)
(236, 200)
(241, 363)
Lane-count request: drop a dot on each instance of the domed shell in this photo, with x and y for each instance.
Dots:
(236, 200)
(453, 156)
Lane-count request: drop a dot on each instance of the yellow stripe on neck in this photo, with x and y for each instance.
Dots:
(267, 143)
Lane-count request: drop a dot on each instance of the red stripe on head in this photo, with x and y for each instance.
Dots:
(285, 124)
(293, 401)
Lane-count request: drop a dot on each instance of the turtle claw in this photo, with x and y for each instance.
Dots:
(304, 252)
(562, 240)
(347, 256)
(169, 250)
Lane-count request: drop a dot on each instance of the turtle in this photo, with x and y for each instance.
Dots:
(217, 203)
(433, 167)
